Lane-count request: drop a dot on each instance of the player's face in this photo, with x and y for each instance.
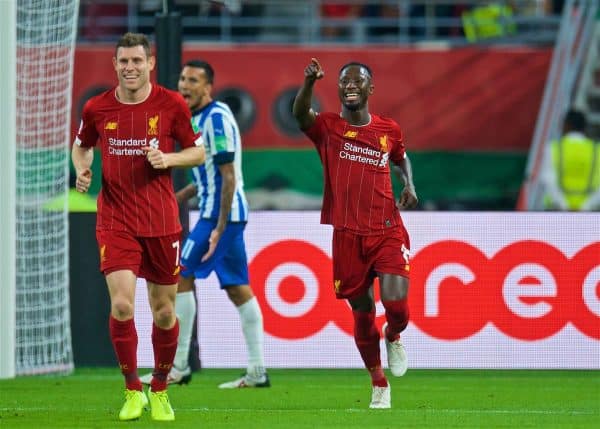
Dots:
(354, 87)
(194, 87)
(133, 67)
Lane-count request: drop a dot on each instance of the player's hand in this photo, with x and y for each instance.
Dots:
(408, 199)
(156, 158)
(313, 71)
(84, 180)
(213, 240)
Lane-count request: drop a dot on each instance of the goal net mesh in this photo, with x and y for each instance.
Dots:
(46, 32)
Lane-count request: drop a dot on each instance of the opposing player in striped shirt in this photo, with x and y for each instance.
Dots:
(216, 242)
(369, 238)
(136, 125)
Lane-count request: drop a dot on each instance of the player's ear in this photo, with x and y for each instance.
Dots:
(371, 89)
(151, 62)
(114, 61)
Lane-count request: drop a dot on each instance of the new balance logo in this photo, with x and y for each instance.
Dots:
(110, 126)
(351, 134)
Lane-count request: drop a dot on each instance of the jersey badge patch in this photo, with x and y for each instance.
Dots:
(153, 126)
(383, 143)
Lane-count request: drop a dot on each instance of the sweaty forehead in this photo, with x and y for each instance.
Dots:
(355, 70)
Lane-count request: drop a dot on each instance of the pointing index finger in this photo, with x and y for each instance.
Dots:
(316, 63)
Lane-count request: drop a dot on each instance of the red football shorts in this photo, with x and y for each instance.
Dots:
(358, 258)
(155, 259)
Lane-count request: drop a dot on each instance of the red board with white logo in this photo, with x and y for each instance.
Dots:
(487, 290)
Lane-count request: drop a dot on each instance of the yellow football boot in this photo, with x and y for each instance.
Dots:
(160, 407)
(135, 401)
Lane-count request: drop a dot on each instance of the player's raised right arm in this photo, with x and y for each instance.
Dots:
(301, 109)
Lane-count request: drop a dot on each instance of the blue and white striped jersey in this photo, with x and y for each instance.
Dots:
(223, 144)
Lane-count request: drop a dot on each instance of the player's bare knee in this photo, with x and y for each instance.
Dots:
(239, 295)
(164, 316)
(185, 284)
(394, 294)
(122, 309)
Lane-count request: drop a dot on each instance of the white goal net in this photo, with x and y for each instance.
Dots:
(46, 32)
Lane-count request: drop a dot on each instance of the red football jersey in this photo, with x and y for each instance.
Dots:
(358, 194)
(136, 197)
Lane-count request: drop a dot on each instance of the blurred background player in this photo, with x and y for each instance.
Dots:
(217, 241)
(570, 173)
(369, 238)
(138, 231)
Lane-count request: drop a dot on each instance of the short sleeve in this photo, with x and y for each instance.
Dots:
(398, 151)
(87, 135)
(220, 134)
(318, 130)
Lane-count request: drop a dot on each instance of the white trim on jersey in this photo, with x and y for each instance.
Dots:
(221, 135)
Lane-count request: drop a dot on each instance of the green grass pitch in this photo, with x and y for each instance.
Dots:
(307, 398)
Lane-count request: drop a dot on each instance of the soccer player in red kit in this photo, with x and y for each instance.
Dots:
(136, 125)
(369, 238)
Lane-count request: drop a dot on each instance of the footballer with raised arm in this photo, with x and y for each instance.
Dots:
(369, 237)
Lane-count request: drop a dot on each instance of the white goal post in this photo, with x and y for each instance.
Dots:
(38, 304)
(8, 101)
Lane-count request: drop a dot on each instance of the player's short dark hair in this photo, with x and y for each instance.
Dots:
(355, 63)
(130, 40)
(575, 120)
(200, 64)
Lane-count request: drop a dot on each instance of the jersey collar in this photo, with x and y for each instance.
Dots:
(200, 110)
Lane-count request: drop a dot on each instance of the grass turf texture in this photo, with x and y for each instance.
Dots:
(92, 397)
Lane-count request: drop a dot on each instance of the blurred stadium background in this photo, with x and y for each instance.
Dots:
(478, 86)
(455, 97)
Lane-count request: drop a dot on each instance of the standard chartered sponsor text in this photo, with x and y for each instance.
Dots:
(126, 147)
(364, 150)
(349, 147)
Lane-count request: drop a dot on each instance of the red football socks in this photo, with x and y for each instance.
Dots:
(366, 337)
(378, 377)
(164, 343)
(125, 340)
(396, 313)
